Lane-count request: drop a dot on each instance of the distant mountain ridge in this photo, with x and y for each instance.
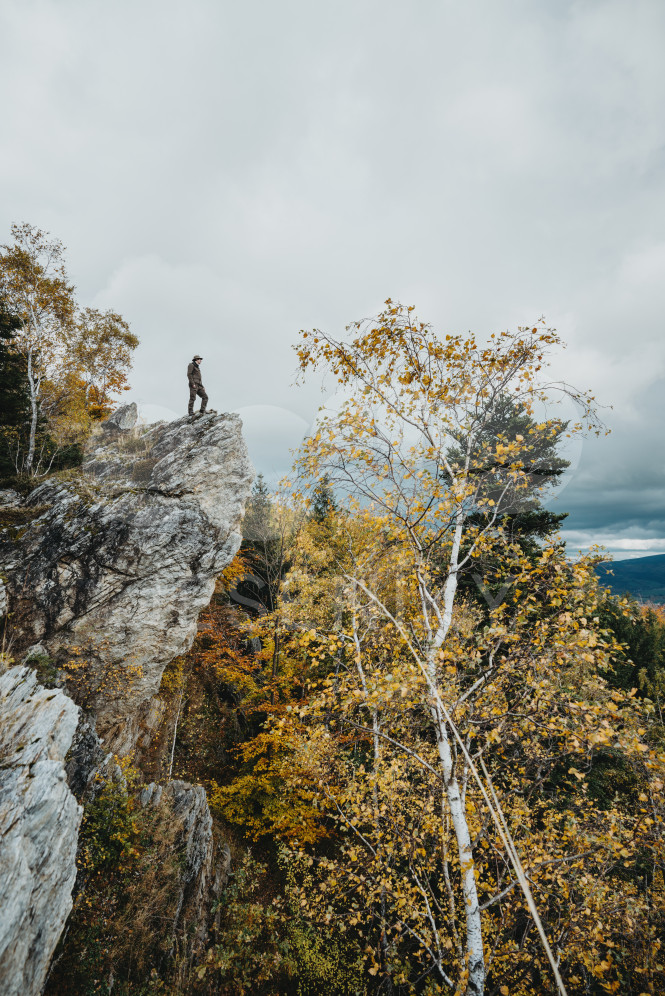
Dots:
(643, 577)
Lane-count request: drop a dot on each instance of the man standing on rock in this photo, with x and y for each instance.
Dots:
(196, 386)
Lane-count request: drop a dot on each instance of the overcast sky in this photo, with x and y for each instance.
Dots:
(227, 173)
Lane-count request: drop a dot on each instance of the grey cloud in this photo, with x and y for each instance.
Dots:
(225, 174)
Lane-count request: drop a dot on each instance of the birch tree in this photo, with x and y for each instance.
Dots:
(408, 399)
(527, 696)
(34, 282)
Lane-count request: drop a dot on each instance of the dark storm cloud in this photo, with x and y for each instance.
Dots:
(616, 496)
(225, 174)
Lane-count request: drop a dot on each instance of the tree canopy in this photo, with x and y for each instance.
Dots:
(75, 360)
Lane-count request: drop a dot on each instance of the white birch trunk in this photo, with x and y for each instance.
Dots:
(450, 589)
(474, 935)
(34, 412)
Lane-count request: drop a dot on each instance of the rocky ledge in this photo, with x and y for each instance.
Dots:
(103, 575)
(111, 573)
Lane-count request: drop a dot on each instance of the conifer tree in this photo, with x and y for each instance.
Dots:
(522, 520)
(522, 513)
(14, 400)
(323, 500)
(256, 524)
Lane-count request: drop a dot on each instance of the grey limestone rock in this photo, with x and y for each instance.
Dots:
(189, 808)
(9, 498)
(203, 874)
(87, 763)
(34, 653)
(122, 419)
(105, 576)
(39, 821)
(117, 564)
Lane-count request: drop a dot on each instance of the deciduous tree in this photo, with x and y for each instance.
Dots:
(409, 397)
(35, 284)
(569, 757)
(102, 350)
(75, 359)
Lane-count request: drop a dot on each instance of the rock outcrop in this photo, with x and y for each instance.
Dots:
(104, 573)
(122, 419)
(202, 873)
(39, 821)
(111, 574)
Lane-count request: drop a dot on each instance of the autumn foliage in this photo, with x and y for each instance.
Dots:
(433, 740)
(74, 361)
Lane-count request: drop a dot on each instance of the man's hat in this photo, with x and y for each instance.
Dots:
(198, 357)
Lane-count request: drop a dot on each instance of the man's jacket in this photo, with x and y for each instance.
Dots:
(194, 375)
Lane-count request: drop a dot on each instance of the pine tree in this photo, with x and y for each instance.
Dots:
(263, 544)
(522, 521)
(323, 503)
(14, 400)
(256, 524)
(523, 516)
(640, 629)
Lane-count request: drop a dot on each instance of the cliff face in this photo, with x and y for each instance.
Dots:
(104, 575)
(201, 874)
(111, 575)
(39, 821)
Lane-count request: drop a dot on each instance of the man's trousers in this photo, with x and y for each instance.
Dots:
(195, 389)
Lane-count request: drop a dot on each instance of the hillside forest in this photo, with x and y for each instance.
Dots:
(431, 740)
